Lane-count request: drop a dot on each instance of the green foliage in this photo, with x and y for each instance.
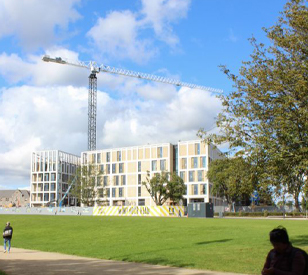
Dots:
(229, 245)
(175, 188)
(157, 187)
(161, 188)
(85, 186)
(232, 179)
(267, 113)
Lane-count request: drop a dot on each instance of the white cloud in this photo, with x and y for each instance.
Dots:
(177, 118)
(34, 22)
(117, 35)
(160, 14)
(37, 118)
(122, 34)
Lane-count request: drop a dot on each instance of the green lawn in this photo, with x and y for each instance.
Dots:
(233, 245)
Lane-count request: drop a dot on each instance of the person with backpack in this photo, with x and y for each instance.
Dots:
(284, 259)
(7, 236)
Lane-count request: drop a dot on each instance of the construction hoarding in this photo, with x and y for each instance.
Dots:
(150, 211)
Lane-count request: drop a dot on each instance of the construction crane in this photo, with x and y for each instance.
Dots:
(92, 100)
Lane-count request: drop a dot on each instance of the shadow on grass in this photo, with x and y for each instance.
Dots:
(163, 262)
(214, 241)
(301, 240)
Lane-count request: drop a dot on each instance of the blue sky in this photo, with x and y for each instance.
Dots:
(44, 106)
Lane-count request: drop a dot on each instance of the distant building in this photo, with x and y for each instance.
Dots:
(14, 198)
(51, 172)
(122, 172)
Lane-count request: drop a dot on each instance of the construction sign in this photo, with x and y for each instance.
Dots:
(150, 211)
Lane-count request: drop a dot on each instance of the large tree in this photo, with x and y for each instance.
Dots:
(267, 113)
(232, 178)
(176, 188)
(157, 187)
(163, 186)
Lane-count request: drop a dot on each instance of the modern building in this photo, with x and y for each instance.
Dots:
(51, 172)
(14, 198)
(121, 171)
(124, 169)
(193, 159)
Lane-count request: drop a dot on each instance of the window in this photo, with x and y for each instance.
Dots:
(121, 166)
(40, 177)
(123, 179)
(182, 175)
(105, 180)
(194, 162)
(46, 197)
(200, 175)
(141, 202)
(101, 193)
(159, 152)
(203, 189)
(46, 177)
(139, 166)
(101, 168)
(139, 191)
(121, 192)
(107, 168)
(53, 176)
(197, 148)
(154, 165)
(52, 186)
(46, 187)
(139, 179)
(195, 189)
(113, 168)
(113, 192)
(191, 175)
(116, 178)
(52, 196)
(99, 159)
(119, 156)
(203, 162)
(163, 165)
(108, 193)
(184, 163)
(108, 157)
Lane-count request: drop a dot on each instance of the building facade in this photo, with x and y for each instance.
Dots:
(124, 169)
(14, 198)
(193, 159)
(120, 173)
(51, 172)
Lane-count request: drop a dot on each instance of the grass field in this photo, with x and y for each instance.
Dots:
(233, 245)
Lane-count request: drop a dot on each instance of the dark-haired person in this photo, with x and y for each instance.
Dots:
(7, 236)
(283, 259)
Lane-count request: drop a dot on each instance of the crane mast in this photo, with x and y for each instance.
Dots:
(92, 100)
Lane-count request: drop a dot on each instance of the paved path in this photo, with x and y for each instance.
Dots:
(31, 262)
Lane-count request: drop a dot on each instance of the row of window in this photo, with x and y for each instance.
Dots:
(97, 158)
(105, 169)
(192, 175)
(50, 177)
(195, 162)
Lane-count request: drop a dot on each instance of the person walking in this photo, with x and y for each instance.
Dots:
(284, 259)
(7, 236)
